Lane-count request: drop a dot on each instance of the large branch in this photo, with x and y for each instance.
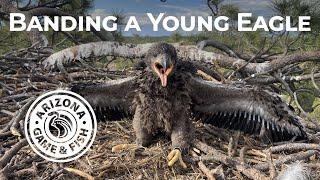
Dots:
(46, 11)
(215, 155)
(51, 4)
(299, 57)
(287, 159)
(13, 151)
(214, 12)
(271, 80)
(97, 49)
(222, 47)
(252, 68)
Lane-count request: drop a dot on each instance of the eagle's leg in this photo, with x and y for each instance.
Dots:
(180, 143)
(143, 138)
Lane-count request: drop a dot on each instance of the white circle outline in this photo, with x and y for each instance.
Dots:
(85, 103)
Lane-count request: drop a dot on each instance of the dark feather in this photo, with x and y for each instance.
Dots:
(248, 110)
(111, 100)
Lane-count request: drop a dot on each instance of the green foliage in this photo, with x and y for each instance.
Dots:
(296, 8)
(316, 109)
(216, 2)
(292, 8)
(306, 101)
(10, 41)
(78, 6)
(230, 10)
(121, 63)
(192, 39)
(175, 37)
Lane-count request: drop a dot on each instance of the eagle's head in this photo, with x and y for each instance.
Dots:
(161, 58)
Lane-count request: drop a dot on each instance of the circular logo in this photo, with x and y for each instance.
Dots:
(60, 126)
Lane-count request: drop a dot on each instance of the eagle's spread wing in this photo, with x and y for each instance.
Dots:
(253, 111)
(111, 100)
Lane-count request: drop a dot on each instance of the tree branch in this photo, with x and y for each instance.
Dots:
(287, 159)
(211, 8)
(294, 147)
(97, 49)
(222, 47)
(13, 151)
(217, 156)
(271, 80)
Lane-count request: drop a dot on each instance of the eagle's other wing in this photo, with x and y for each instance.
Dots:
(110, 100)
(251, 110)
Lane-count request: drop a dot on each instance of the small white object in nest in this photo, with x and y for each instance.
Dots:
(295, 171)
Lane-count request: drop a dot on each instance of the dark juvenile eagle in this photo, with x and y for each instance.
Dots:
(166, 96)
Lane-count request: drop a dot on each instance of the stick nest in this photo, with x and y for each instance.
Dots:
(215, 153)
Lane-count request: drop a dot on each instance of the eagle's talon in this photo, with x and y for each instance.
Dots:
(124, 147)
(174, 156)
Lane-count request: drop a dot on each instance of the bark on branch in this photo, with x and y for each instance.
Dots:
(294, 147)
(222, 47)
(217, 156)
(271, 80)
(287, 159)
(97, 49)
(13, 151)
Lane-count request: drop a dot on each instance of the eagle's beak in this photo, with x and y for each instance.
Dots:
(163, 77)
(163, 71)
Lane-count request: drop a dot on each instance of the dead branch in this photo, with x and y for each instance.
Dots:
(285, 84)
(222, 47)
(217, 156)
(294, 147)
(233, 144)
(24, 172)
(18, 116)
(21, 113)
(5, 134)
(211, 5)
(122, 128)
(19, 85)
(9, 154)
(242, 154)
(204, 168)
(272, 171)
(207, 77)
(79, 173)
(5, 172)
(97, 49)
(287, 159)
(271, 80)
